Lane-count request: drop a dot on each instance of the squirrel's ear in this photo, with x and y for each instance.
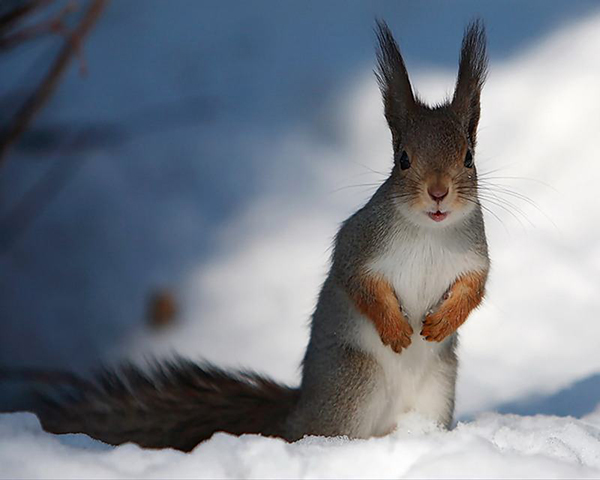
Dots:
(398, 99)
(472, 71)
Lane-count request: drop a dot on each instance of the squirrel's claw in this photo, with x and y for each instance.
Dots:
(435, 328)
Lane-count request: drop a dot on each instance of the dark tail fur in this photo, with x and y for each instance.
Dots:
(175, 405)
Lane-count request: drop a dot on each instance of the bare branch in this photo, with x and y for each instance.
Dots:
(11, 18)
(55, 25)
(34, 104)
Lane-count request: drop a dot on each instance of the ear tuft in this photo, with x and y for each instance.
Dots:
(393, 79)
(472, 72)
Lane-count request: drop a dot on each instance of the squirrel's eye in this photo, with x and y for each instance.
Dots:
(404, 161)
(469, 159)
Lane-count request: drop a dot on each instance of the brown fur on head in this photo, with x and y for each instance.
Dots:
(434, 146)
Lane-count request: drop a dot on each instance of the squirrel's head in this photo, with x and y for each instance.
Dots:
(434, 171)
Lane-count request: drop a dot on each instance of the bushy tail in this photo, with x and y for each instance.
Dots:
(176, 404)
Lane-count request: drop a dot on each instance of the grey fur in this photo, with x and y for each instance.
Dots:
(337, 379)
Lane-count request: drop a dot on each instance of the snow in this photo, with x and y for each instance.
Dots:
(493, 446)
(252, 199)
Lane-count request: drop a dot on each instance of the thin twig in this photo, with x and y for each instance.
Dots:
(13, 17)
(34, 104)
(55, 25)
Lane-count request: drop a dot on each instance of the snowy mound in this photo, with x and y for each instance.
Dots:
(492, 446)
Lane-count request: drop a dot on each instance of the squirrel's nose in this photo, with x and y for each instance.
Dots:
(437, 192)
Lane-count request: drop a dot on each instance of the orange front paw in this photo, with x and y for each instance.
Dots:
(376, 299)
(437, 326)
(456, 304)
(396, 333)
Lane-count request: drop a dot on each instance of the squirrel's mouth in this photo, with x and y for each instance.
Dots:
(437, 216)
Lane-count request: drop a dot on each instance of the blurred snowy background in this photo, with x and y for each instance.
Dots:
(214, 147)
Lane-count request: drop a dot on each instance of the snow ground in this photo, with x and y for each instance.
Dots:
(537, 333)
(494, 446)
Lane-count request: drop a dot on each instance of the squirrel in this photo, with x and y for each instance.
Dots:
(406, 271)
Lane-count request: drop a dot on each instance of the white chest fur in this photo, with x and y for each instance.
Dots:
(421, 265)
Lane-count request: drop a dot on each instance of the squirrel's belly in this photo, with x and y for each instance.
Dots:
(401, 377)
(420, 274)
